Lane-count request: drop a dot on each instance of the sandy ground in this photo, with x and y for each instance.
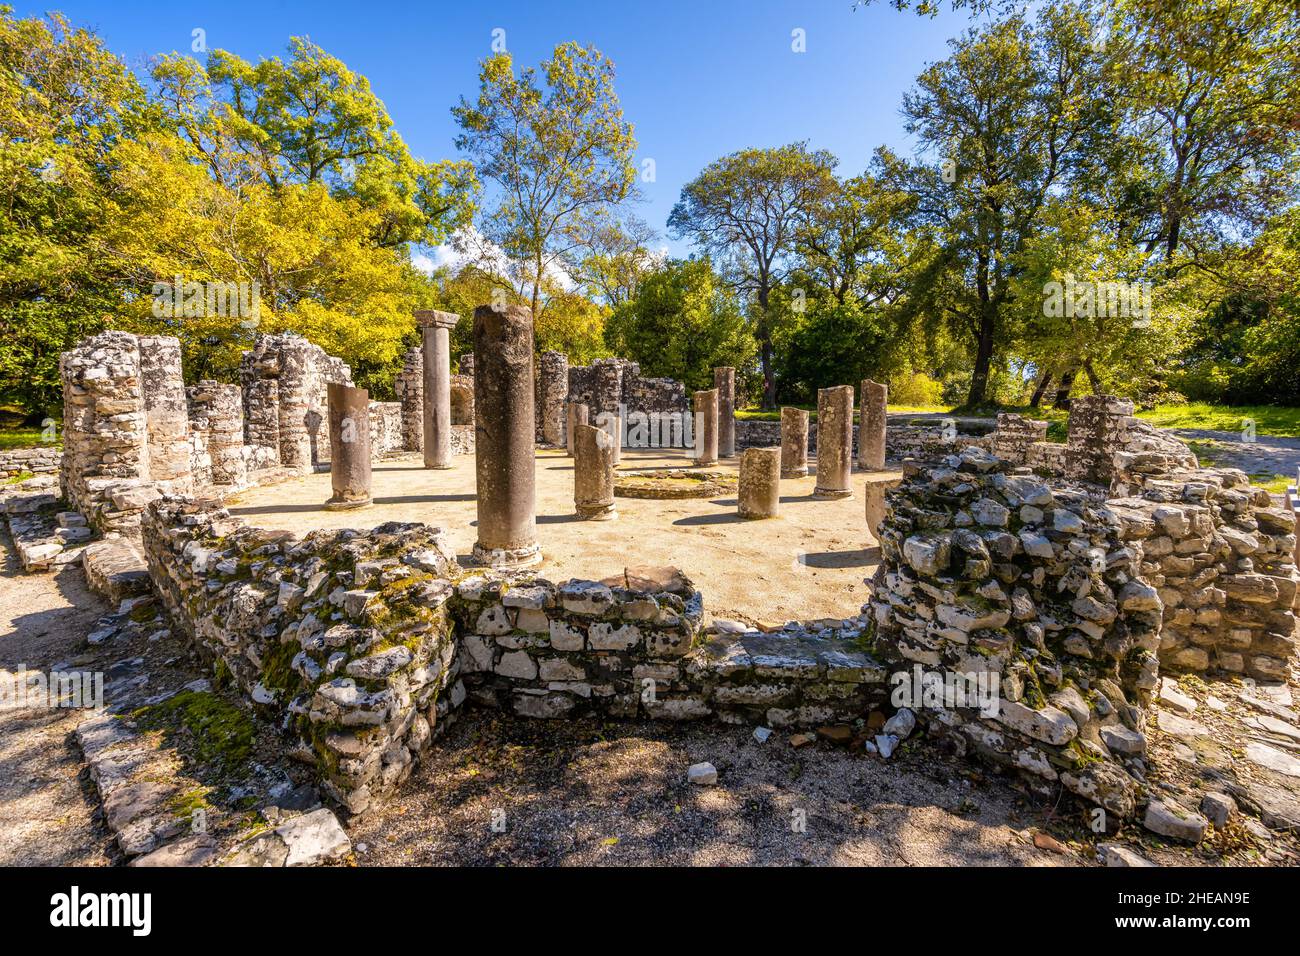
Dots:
(809, 562)
(583, 793)
(47, 806)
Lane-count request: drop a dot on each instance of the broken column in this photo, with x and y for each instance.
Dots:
(593, 474)
(612, 426)
(217, 409)
(794, 442)
(706, 427)
(167, 413)
(1097, 429)
(437, 327)
(759, 495)
(503, 435)
(349, 429)
(409, 386)
(577, 415)
(724, 380)
(834, 442)
(552, 390)
(871, 429)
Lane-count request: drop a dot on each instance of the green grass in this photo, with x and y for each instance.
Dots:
(1269, 419)
(19, 438)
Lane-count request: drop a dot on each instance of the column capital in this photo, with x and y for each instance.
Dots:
(432, 318)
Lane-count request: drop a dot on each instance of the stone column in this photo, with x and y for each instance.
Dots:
(593, 474)
(871, 429)
(577, 415)
(503, 437)
(724, 380)
(794, 442)
(706, 427)
(349, 427)
(834, 442)
(437, 386)
(552, 390)
(759, 495)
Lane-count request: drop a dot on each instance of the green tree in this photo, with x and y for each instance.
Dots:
(683, 322)
(744, 210)
(558, 150)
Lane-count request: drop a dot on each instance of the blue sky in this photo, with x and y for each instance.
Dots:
(697, 79)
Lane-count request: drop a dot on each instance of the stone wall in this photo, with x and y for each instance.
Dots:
(342, 635)
(921, 441)
(1220, 553)
(105, 431)
(41, 460)
(606, 384)
(216, 413)
(285, 408)
(409, 386)
(386, 434)
(988, 572)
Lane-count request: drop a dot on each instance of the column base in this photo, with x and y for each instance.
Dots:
(429, 467)
(506, 557)
(596, 512)
(705, 462)
(795, 473)
(346, 504)
(832, 494)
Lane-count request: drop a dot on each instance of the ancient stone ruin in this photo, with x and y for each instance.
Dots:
(1028, 595)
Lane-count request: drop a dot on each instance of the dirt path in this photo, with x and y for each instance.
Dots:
(1268, 454)
(47, 812)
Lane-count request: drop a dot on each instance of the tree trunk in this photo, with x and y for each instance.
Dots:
(979, 380)
(1093, 381)
(1062, 398)
(1040, 389)
(766, 351)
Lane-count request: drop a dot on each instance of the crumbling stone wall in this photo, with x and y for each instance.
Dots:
(42, 460)
(1220, 553)
(106, 471)
(216, 415)
(606, 384)
(919, 441)
(289, 416)
(385, 429)
(344, 635)
(409, 386)
(987, 571)
(551, 386)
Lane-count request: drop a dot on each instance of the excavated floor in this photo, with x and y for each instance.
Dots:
(809, 562)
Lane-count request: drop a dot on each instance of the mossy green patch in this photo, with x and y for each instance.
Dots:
(211, 731)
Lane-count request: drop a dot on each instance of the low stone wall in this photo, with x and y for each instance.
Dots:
(343, 635)
(901, 441)
(42, 460)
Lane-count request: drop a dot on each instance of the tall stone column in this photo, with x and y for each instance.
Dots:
(552, 390)
(759, 495)
(612, 426)
(706, 427)
(437, 327)
(724, 380)
(794, 442)
(503, 437)
(576, 415)
(349, 427)
(593, 474)
(871, 429)
(834, 442)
